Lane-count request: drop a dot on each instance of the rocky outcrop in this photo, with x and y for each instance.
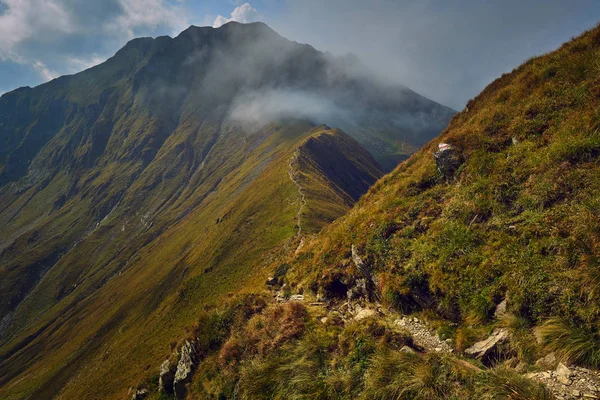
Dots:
(140, 394)
(166, 377)
(370, 282)
(365, 313)
(547, 362)
(500, 311)
(447, 159)
(188, 362)
(483, 349)
(570, 382)
(423, 336)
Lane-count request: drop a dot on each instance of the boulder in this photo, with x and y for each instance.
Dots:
(140, 394)
(365, 270)
(358, 291)
(297, 297)
(185, 367)
(547, 362)
(447, 160)
(481, 350)
(563, 374)
(166, 376)
(364, 314)
(272, 281)
(500, 309)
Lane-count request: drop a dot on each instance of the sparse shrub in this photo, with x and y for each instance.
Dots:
(576, 344)
(503, 383)
(522, 342)
(400, 375)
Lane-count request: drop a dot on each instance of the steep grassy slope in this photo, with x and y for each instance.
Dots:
(519, 218)
(518, 221)
(113, 303)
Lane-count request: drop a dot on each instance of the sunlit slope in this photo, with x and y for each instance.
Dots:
(132, 285)
(518, 219)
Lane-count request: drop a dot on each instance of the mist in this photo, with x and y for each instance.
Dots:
(446, 51)
(261, 107)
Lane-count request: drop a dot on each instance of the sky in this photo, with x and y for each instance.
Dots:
(446, 50)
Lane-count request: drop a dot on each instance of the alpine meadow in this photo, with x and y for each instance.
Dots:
(229, 214)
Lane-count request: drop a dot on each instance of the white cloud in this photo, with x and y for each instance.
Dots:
(44, 71)
(55, 37)
(148, 14)
(77, 64)
(244, 14)
(22, 20)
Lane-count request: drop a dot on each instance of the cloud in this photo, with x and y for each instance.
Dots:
(44, 71)
(447, 51)
(22, 20)
(56, 37)
(244, 14)
(260, 107)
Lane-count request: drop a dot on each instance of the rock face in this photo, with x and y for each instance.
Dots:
(447, 160)
(166, 377)
(370, 283)
(185, 367)
(481, 350)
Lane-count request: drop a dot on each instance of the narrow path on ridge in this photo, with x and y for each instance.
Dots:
(293, 159)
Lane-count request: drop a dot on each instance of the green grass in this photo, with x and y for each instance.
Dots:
(518, 218)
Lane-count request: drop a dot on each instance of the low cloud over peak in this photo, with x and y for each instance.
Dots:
(244, 14)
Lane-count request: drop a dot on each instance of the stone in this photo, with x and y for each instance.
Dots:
(140, 394)
(297, 297)
(406, 349)
(447, 160)
(547, 362)
(521, 367)
(271, 281)
(364, 314)
(166, 377)
(500, 310)
(563, 374)
(482, 349)
(185, 367)
(358, 291)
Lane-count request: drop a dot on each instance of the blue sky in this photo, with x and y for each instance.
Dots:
(447, 50)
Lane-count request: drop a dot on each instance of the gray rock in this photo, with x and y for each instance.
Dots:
(547, 362)
(185, 367)
(563, 374)
(358, 291)
(272, 281)
(407, 349)
(364, 314)
(481, 349)
(140, 394)
(447, 160)
(500, 310)
(166, 377)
